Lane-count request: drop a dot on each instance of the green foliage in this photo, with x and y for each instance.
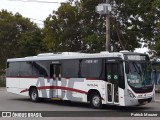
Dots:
(156, 39)
(136, 20)
(18, 37)
(76, 26)
(73, 28)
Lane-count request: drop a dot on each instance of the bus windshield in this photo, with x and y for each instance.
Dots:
(139, 74)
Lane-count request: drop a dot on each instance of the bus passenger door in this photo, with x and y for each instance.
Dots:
(56, 76)
(112, 77)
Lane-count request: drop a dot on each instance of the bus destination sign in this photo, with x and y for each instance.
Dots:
(136, 57)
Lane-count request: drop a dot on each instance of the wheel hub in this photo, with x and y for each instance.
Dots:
(96, 101)
(34, 95)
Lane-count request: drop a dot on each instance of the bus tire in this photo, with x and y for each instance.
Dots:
(96, 100)
(34, 95)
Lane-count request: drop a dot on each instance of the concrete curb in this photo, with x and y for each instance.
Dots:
(157, 101)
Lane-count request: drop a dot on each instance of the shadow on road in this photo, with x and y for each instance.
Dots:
(85, 105)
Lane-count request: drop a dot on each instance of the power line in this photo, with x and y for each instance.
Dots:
(37, 1)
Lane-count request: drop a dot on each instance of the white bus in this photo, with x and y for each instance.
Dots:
(118, 78)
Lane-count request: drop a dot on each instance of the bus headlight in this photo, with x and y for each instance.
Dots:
(131, 94)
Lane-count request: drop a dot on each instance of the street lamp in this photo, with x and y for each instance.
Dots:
(105, 9)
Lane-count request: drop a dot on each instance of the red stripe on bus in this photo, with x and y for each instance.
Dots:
(24, 90)
(58, 87)
(62, 88)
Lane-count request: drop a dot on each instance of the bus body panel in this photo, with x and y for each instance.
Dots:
(75, 89)
(12, 85)
(121, 97)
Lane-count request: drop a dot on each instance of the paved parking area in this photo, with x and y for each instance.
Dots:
(13, 102)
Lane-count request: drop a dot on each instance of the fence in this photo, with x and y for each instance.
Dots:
(156, 74)
(156, 78)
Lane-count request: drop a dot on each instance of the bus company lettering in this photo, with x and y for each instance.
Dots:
(70, 84)
(67, 87)
(92, 85)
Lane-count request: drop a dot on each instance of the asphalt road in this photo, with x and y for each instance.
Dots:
(13, 102)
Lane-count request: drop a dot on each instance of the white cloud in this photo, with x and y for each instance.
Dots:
(39, 11)
(141, 50)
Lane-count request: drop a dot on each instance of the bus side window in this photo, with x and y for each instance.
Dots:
(116, 73)
(54, 72)
(109, 72)
(121, 82)
(39, 70)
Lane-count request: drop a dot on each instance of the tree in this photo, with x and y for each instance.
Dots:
(75, 26)
(137, 20)
(155, 45)
(18, 37)
(72, 28)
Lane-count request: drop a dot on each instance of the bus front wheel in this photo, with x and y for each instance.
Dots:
(34, 95)
(96, 100)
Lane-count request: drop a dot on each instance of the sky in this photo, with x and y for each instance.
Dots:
(37, 11)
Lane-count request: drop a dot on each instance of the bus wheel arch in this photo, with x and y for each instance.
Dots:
(33, 93)
(95, 98)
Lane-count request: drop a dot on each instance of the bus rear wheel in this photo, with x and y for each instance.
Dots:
(34, 95)
(96, 100)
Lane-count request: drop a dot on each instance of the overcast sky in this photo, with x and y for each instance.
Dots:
(35, 10)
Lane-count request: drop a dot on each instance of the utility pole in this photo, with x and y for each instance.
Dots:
(107, 29)
(105, 9)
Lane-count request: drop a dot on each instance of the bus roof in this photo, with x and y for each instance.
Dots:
(70, 55)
